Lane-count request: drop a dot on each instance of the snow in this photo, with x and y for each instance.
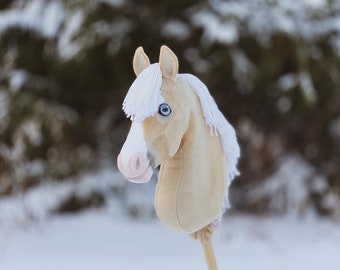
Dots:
(287, 82)
(334, 127)
(307, 87)
(199, 64)
(176, 29)
(37, 203)
(284, 104)
(289, 188)
(32, 238)
(44, 17)
(215, 29)
(67, 47)
(3, 110)
(306, 19)
(97, 239)
(18, 78)
(32, 130)
(221, 21)
(242, 68)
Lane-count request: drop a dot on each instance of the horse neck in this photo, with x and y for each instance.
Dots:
(191, 185)
(197, 141)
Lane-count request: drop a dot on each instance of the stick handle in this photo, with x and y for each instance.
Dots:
(209, 255)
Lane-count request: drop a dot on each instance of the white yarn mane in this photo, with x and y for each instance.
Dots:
(217, 122)
(144, 98)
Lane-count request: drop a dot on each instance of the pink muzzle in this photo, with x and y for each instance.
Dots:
(136, 168)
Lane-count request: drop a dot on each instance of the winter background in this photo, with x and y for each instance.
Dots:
(273, 67)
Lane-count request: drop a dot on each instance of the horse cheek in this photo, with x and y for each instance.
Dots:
(156, 141)
(174, 134)
(161, 147)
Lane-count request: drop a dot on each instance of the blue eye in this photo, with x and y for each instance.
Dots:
(164, 109)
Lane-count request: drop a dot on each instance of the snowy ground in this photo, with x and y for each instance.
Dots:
(97, 240)
(107, 238)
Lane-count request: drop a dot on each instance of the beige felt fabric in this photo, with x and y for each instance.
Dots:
(168, 63)
(192, 181)
(140, 61)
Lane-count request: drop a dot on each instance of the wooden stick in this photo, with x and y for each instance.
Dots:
(209, 255)
(205, 237)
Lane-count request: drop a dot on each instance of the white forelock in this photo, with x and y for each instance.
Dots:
(144, 95)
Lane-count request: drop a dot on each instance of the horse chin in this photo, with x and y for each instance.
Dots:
(143, 178)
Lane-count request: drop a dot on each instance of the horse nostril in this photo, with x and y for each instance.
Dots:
(137, 164)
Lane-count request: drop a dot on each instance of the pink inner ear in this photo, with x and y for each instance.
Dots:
(140, 61)
(168, 63)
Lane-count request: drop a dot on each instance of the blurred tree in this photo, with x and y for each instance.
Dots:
(273, 67)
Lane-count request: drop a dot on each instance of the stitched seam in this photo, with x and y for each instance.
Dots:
(178, 190)
(169, 80)
(160, 181)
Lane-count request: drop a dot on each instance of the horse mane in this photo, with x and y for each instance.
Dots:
(144, 98)
(217, 122)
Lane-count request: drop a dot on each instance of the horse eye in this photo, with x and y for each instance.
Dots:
(164, 109)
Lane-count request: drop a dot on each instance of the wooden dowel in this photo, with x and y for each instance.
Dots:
(209, 255)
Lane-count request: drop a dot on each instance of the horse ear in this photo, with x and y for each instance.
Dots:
(168, 63)
(140, 61)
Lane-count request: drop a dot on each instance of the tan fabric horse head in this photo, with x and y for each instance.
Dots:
(176, 122)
